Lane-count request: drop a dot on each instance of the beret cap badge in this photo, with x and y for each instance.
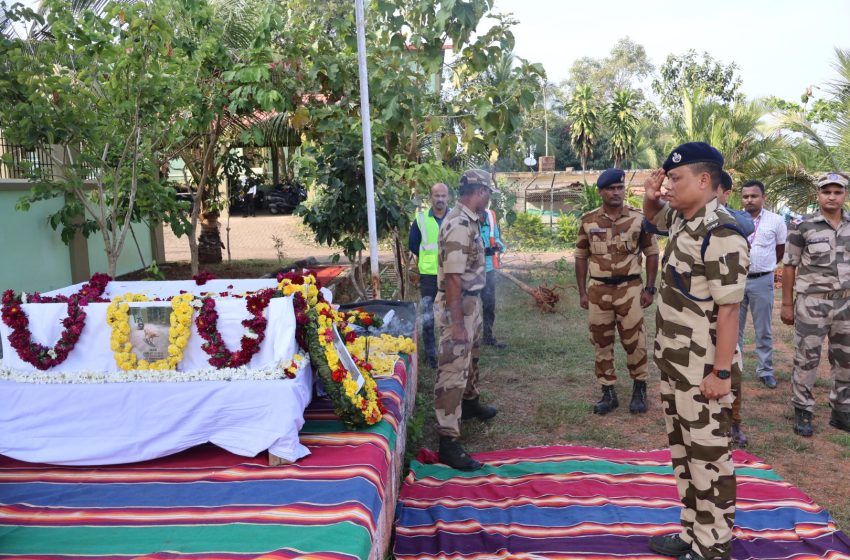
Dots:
(677, 157)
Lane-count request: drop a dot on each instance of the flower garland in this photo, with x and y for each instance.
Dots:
(118, 315)
(363, 318)
(307, 295)
(255, 330)
(355, 408)
(383, 351)
(20, 338)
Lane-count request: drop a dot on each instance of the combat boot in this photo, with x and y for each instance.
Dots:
(491, 341)
(738, 437)
(669, 545)
(453, 455)
(473, 408)
(638, 404)
(608, 402)
(840, 420)
(802, 422)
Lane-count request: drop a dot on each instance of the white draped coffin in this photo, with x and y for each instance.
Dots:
(85, 423)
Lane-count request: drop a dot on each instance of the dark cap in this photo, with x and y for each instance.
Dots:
(610, 177)
(839, 179)
(693, 152)
(478, 177)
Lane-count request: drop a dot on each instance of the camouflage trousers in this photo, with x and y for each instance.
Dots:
(814, 319)
(617, 306)
(457, 370)
(698, 434)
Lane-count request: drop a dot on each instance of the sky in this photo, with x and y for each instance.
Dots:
(781, 46)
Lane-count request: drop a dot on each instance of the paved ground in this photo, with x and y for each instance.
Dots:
(261, 238)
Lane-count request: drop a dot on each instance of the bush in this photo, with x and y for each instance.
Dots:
(567, 231)
(528, 232)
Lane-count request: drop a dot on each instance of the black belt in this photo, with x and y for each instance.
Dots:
(466, 292)
(615, 280)
(759, 274)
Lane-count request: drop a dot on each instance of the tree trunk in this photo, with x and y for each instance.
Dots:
(209, 242)
(398, 262)
(275, 165)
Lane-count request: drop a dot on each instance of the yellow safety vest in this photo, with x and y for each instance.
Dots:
(429, 247)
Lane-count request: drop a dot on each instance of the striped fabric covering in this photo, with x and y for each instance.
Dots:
(208, 504)
(587, 503)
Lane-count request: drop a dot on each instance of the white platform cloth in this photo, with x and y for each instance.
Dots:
(110, 423)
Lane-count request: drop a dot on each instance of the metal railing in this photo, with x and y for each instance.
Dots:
(22, 158)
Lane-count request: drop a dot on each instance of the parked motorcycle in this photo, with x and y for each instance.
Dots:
(283, 199)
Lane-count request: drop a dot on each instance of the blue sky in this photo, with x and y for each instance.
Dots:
(781, 46)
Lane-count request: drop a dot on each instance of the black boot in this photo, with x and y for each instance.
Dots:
(473, 408)
(738, 437)
(608, 402)
(453, 455)
(491, 341)
(840, 420)
(802, 422)
(638, 404)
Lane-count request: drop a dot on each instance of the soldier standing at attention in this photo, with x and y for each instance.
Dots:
(612, 239)
(461, 278)
(704, 272)
(422, 242)
(493, 246)
(817, 266)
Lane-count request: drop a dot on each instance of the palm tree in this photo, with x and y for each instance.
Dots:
(622, 120)
(583, 113)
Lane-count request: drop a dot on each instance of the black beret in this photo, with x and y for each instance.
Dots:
(693, 152)
(610, 177)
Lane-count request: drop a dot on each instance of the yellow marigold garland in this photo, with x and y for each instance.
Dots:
(118, 315)
(383, 351)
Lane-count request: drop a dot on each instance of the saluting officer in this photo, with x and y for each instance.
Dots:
(817, 266)
(461, 278)
(704, 273)
(611, 240)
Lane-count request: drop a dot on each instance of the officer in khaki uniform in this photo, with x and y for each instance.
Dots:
(704, 273)
(611, 240)
(817, 267)
(457, 309)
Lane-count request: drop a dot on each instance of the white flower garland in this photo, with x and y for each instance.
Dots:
(153, 376)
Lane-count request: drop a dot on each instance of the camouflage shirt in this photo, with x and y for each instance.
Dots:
(461, 249)
(692, 289)
(614, 247)
(820, 252)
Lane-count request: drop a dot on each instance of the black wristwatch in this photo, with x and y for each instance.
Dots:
(650, 290)
(723, 373)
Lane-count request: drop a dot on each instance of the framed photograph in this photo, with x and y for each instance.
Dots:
(347, 361)
(149, 325)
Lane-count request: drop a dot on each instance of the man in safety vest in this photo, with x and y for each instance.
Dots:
(423, 242)
(493, 246)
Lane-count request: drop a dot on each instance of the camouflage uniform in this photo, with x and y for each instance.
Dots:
(822, 306)
(461, 252)
(613, 249)
(692, 288)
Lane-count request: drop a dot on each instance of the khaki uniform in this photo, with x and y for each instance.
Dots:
(461, 252)
(822, 306)
(613, 249)
(691, 290)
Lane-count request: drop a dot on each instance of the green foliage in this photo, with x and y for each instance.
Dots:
(589, 198)
(687, 72)
(584, 118)
(623, 68)
(153, 272)
(567, 230)
(528, 232)
(104, 86)
(622, 121)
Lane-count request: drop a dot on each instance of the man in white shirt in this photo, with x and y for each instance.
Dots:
(767, 247)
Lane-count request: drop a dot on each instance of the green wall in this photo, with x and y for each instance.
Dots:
(32, 256)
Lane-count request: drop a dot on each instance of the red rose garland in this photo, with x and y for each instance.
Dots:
(36, 354)
(207, 323)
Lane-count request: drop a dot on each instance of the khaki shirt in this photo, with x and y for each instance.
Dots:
(820, 252)
(687, 328)
(614, 247)
(461, 249)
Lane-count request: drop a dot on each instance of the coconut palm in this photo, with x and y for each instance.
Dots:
(584, 115)
(623, 123)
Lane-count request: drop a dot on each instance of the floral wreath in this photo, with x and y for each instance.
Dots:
(315, 318)
(255, 330)
(118, 315)
(20, 338)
